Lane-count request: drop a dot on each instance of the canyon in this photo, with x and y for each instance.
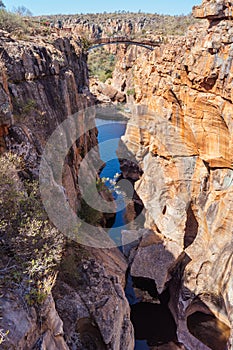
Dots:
(179, 134)
(183, 142)
(41, 85)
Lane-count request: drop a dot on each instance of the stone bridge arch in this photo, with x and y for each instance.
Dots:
(147, 44)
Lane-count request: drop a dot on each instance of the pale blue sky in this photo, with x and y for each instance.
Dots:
(92, 6)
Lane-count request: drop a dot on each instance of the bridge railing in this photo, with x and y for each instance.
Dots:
(114, 40)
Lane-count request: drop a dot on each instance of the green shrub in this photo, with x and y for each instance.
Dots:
(29, 106)
(130, 92)
(89, 214)
(85, 43)
(23, 108)
(11, 21)
(3, 335)
(101, 64)
(69, 271)
(34, 245)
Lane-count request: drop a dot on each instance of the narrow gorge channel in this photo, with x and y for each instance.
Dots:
(112, 130)
(151, 317)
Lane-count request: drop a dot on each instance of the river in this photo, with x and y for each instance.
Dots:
(113, 130)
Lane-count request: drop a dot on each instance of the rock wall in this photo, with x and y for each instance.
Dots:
(42, 82)
(184, 144)
(124, 23)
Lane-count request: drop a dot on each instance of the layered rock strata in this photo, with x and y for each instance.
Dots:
(184, 145)
(42, 82)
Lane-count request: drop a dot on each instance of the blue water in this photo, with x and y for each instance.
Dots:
(109, 134)
(109, 130)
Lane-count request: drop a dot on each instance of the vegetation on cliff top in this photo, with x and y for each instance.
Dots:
(32, 250)
(11, 21)
(145, 22)
(101, 64)
(18, 22)
(30, 247)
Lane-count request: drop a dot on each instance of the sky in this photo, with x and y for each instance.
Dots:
(173, 7)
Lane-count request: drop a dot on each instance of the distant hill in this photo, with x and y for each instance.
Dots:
(121, 23)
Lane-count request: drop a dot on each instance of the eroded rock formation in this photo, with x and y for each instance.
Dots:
(42, 82)
(184, 145)
(214, 9)
(124, 24)
(105, 93)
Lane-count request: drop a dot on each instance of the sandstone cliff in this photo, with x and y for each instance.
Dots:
(184, 145)
(54, 294)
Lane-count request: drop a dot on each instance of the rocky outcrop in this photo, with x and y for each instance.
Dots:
(214, 9)
(122, 23)
(105, 93)
(90, 309)
(45, 83)
(198, 86)
(42, 82)
(5, 108)
(96, 313)
(50, 336)
(184, 145)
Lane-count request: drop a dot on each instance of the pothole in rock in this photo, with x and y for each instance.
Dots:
(89, 335)
(209, 330)
(153, 323)
(151, 317)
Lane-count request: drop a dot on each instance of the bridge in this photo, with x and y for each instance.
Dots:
(148, 44)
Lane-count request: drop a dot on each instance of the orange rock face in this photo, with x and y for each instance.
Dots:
(214, 9)
(184, 144)
(188, 82)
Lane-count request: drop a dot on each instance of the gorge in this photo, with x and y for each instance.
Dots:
(176, 150)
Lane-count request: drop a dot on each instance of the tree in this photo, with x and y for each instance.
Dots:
(2, 5)
(22, 11)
